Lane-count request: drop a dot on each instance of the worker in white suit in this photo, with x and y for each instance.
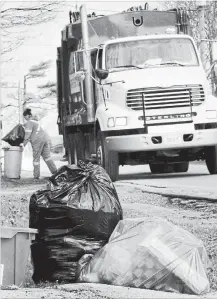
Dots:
(40, 142)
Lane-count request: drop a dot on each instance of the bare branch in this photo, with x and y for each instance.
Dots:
(49, 84)
(44, 65)
(31, 13)
(36, 74)
(9, 105)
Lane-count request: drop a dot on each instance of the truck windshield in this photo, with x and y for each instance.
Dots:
(149, 52)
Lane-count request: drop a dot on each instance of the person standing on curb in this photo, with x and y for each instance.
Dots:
(40, 142)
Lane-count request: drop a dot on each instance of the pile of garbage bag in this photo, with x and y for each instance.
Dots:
(75, 217)
(15, 136)
(149, 254)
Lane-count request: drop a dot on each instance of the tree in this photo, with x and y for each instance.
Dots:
(16, 101)
(210, 21)
(15, 19)
(210, 27)
(44, 100)
(47, 96)
(49, 89)
(35, 71)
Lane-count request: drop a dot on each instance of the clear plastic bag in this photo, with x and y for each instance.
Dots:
(150, 254)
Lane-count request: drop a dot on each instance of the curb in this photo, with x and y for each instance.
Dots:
(170, 194)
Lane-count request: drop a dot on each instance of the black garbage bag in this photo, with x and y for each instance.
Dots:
(74, 218)
(56, 258)
(84, 200)
(15, 136)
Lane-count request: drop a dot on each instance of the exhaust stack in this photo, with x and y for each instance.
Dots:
(87, 65)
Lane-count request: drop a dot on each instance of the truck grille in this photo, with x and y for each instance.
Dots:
(160, 98)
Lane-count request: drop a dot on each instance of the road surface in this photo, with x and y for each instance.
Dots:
(197, 181)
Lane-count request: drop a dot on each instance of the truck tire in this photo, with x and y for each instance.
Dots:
(107, 159)
(211, 159)
(181, 167)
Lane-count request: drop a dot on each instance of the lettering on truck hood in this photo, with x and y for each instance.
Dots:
(158, 77)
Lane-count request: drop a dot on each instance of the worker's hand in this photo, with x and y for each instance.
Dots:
(22, 145)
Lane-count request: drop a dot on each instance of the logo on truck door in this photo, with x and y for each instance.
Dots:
(137, 22)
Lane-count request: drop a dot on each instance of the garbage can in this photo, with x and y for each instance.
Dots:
(13, 161)
(15, 248)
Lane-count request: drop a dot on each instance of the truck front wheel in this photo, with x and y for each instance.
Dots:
(211, 159)
(107, 159)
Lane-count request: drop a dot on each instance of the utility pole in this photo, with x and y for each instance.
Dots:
(20, 105)
(18, 95)
(24, 90)
(201, 15)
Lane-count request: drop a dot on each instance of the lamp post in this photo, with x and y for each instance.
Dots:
(201, 14)
(27, 76)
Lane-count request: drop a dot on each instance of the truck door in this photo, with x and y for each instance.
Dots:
(93, 54)
(99, 66)
(74, 86)
(79, 66)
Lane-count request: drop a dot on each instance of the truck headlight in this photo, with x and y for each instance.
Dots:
(116, 121)
(111, 122)
(210, 114)
(120, 121)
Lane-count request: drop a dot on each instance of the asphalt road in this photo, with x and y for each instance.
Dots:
(197, 181)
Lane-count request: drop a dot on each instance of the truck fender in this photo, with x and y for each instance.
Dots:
(99, 124)
(102, 123)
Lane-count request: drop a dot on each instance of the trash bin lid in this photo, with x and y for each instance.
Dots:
(10, 232)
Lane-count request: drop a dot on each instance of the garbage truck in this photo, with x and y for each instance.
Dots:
(132, 89)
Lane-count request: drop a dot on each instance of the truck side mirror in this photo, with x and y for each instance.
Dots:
(102, 74)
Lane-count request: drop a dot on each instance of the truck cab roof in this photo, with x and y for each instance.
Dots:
(126, 25)
(147, 36)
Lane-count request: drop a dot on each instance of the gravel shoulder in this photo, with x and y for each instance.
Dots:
(197, 217)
